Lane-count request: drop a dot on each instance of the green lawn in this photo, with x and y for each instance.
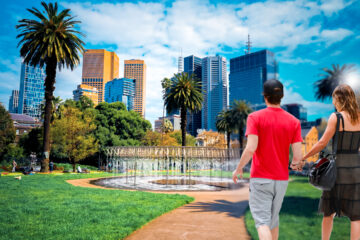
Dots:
(299, 218)
(46, 207)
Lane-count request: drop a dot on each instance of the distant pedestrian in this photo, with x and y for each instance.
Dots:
(14, 166)
(51, 166)
(110, 166)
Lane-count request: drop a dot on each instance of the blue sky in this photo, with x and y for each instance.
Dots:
(304, 35)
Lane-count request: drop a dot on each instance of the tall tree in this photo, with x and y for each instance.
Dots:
(115, 126)
(51, 40)
(72, 135)
(330, 79)
(239, 112)
(184, 93)
(224, 124)
(7, 131)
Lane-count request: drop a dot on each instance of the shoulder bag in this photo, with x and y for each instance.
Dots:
(322, 174)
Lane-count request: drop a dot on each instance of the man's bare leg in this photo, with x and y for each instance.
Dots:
(264, 232)
(275, 233)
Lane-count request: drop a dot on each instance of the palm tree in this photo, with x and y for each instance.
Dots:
(166, 126)
(224, 124)
(51, 40)
(239, 112)
(331, 78)
(184, 93)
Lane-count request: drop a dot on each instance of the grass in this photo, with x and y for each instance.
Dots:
(68, 166)
(46, 207)
(299, 218)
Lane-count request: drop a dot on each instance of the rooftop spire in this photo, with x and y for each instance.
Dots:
(248, 45)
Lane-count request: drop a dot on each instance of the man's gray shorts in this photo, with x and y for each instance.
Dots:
(266, 197)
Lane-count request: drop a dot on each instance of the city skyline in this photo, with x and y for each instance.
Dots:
(305, 37)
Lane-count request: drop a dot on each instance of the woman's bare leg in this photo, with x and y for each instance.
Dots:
(355, 230)
(327, 224)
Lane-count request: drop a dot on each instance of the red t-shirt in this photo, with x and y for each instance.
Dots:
(276, 129)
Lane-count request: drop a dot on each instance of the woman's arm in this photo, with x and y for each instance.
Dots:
(328, 134)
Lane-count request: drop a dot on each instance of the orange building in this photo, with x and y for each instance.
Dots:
(99, 67)
(310, 137)
(136, 69)
(86, 90)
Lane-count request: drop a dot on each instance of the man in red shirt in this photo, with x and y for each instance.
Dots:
(270, 132)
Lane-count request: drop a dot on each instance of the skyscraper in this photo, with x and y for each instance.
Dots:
(214, 87)
(14, 102)
(192, 65)
(248, 74)
(180, 64)
(32, 91)
(121, 90)
(86, 90)
(136, 69)
(99, 67)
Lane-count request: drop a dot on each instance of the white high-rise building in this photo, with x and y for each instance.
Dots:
(215, 89)
(180, 64)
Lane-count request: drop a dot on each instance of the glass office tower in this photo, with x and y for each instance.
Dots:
(192, 65)
(14, 102)
(214, 87)
(121, 90)
(248, 74)
(32, 90)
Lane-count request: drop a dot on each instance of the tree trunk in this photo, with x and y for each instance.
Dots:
(183, 133)
(49, 90)
(183, 126)
(228, 140)
(74, 165)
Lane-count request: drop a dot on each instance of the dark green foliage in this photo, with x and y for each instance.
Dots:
(7, 131)
(14, 152)
(118, 127)
(32, 142)
(331, 78)
(84, 103)
(298, 216)
(58, 210)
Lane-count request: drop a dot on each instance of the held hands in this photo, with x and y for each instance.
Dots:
(236, 173)
(298, 166)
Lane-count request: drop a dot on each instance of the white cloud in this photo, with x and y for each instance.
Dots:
(332, 36)
(329, 7)
(155, 32)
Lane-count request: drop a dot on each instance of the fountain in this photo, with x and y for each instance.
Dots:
(171, 168)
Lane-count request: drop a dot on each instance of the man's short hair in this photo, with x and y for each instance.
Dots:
(273, 91)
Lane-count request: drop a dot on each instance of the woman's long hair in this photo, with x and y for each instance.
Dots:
(345, 100)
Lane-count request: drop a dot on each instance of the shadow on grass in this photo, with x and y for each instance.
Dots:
(233, 209)
(300, 206)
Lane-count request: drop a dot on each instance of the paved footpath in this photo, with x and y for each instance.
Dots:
(215, 215)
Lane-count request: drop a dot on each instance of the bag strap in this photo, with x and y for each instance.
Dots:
(336, 135)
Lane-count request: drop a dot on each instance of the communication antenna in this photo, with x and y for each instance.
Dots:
(248, 45)
(180, 62)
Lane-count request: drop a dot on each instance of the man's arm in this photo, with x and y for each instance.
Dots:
(249, 151)
(296, 163)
